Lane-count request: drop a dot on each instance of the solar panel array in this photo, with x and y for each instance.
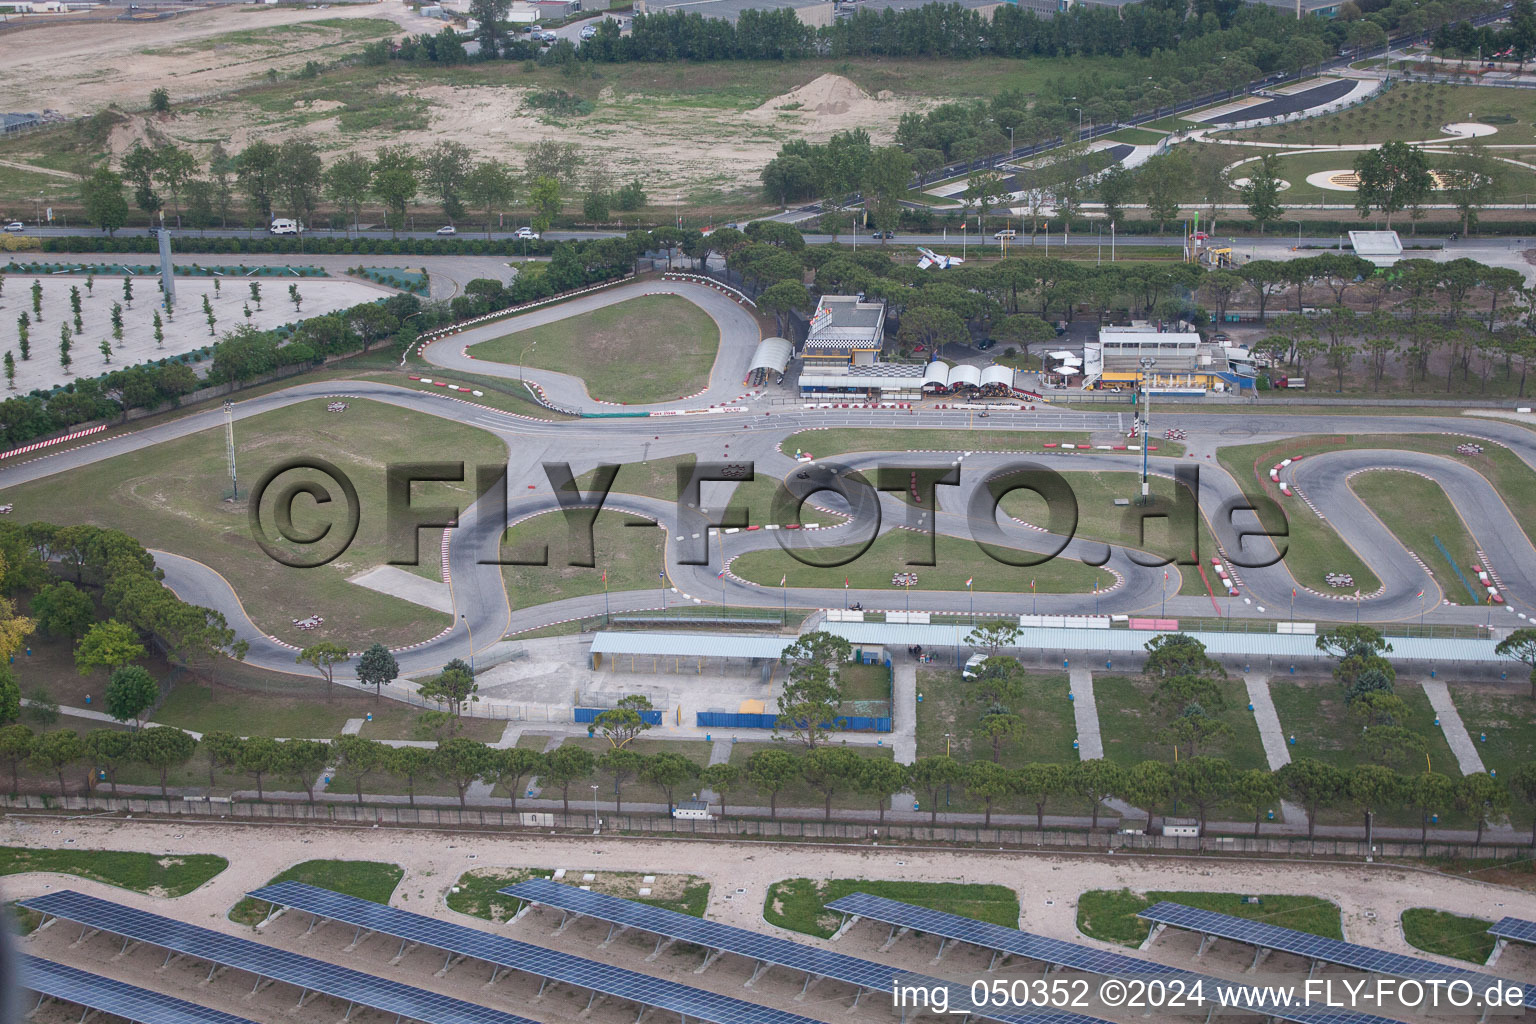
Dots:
(1072, 955)
(265, 961)
(1514, 928)
(523, 956)
(117, 998)
(1313, 947)
(766, 948)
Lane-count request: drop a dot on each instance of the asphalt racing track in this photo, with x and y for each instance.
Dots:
(751, 431)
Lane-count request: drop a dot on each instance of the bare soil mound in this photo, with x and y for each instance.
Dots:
(828, 94)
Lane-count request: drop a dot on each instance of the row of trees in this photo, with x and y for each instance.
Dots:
(1195, 785)
(291, 178)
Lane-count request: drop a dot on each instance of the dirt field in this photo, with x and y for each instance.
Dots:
(80, 67)
(679, 146)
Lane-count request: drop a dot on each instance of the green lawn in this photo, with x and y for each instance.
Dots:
(654, 348)
(1129, 725)
(655, 478)
(365, 879)
(957, 560)
(1513, 182)
(1508, 717)
(274, 712)
(1049, 725)
(1417, 512)
(141, 872)
(631, 555)
(865, 682)
(799, 903)
(1410, 112)
(1110, 914)
(1135, 136)
(1436, 931)
(172, 496)
(1099, 518)
(1314, 713)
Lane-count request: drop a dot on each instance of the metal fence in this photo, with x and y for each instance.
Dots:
(1101, 840)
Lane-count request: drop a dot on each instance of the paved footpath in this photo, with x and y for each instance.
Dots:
(1090, 744)
(1456, 735)
(1276, 751)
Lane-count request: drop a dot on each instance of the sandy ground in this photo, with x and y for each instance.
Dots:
(80, 67)
(187, 332)
(1372, 898)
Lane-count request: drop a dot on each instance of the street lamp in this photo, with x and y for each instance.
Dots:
(596, 825)
(1147, 363)
(534, 344)
(470, 630)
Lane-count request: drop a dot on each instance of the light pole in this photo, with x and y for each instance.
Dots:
(1147, 363)
(532, 345)
(1010, 142)
(470, 630)
(596, 824)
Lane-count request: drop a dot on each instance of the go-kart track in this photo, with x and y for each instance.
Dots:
(724, 424)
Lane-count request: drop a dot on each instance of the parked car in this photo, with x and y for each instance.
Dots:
(527, 233)
(15, 225)
(447, 229)
(588, 31)
(885, 234)
(985, 343)
(972, 666)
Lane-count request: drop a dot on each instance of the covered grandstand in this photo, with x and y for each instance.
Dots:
(970, 381)
(771, 357)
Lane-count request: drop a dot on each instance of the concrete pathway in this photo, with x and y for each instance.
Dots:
(904, 709)
(719, 753)
(1276, 751)
(1090, 744)
(353, 726)
(1456, 735)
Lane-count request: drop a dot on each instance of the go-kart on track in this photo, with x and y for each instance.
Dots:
(748, 431)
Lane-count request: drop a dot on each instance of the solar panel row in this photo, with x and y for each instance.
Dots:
(265, 961)
(1313, 947)
(1072, 955)
(766, 949)
(1514, 928)
(522, 956)
(117, 998)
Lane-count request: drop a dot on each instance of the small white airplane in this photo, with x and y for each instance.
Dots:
(933, 259)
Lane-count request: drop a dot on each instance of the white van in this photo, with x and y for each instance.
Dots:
(1007, 233)
(284, 226)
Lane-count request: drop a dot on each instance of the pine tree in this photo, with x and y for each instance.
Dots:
(247, 310)
(117, 321)
(10, 370)
(64, 359)
(90, 284)
(159, 329)
(128, 291)
(295, 297)
(106, 350)
(74, 305)
(37, 300)
(256, 294)
(208, 311)
(23, 335)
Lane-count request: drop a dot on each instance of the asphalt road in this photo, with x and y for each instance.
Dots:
(753, 429)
